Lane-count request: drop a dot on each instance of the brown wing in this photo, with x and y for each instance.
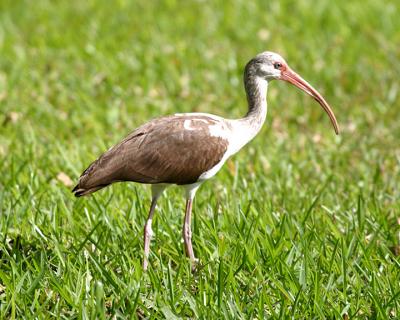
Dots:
(160, 151)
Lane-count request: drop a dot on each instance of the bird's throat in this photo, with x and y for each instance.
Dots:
(256, 91)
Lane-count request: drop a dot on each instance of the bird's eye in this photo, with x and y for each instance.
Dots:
(277, 65)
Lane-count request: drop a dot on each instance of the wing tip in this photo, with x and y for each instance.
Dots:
(79, 192)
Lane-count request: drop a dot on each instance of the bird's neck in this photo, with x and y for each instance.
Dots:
(246, 128)
(256, 91)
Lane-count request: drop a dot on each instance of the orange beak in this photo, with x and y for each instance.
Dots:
(292, 77)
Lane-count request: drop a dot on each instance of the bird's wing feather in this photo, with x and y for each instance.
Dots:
(175, 149)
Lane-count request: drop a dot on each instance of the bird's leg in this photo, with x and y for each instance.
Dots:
(148, 233)
(187, 233)
(186, 230)
(156, 190)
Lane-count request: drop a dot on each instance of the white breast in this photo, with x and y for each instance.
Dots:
(237, 134)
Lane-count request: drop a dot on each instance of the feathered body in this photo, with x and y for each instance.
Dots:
(187, 149)
(174, 150)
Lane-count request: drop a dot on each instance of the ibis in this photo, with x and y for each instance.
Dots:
(187, 149)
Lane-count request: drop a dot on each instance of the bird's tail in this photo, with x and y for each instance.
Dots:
(79, 192)
(89, 181)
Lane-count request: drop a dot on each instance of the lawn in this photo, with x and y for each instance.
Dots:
(300, 224)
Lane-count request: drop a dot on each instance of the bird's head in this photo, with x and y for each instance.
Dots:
(271, 66)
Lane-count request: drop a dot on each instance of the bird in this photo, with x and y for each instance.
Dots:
(186, 149)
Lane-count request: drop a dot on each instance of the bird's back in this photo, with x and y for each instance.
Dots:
(175, 149)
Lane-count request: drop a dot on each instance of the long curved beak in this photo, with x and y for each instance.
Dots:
(292, 77)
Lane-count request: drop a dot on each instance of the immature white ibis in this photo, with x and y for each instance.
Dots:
(187, 149)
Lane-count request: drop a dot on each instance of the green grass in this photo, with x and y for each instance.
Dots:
(300, 224)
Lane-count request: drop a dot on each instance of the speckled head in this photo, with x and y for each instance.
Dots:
(271, 66)
(267, 65)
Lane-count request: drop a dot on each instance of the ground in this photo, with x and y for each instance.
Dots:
(300, 224)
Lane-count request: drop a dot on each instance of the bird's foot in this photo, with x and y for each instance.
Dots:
(145, 264)
(195, 264)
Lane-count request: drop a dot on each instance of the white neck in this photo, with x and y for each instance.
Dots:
(245, 129)
(256, 90)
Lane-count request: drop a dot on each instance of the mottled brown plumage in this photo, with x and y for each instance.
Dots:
(160, 151)
(187, 149)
